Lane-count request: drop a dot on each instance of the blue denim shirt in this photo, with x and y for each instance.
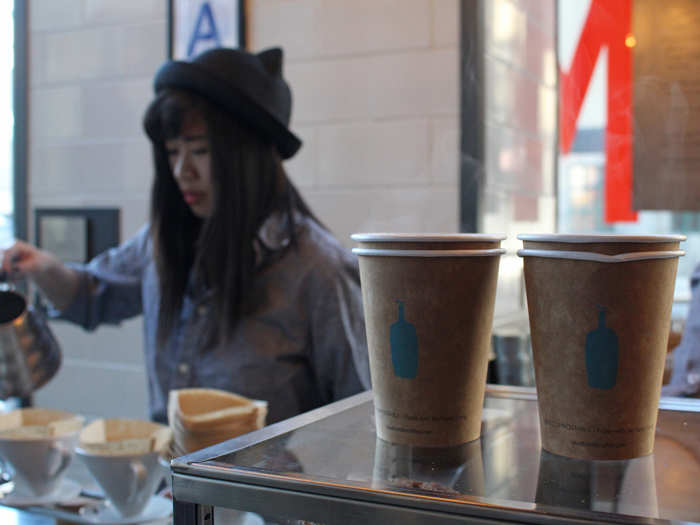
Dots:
(303, 345)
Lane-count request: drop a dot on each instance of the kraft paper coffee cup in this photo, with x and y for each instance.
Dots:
(428, 317)
(428, 241)
(603, 243)
(599, 327)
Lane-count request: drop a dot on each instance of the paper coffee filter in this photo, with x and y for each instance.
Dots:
(219, 417)
(200, 417)
(250, 420)
(193, 401)
(261, 413)
(37, 423)
(230, 429)
(124, 436)
(162, 438)
(200, 409)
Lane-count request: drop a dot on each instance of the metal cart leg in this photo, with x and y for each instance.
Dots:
(185, 513)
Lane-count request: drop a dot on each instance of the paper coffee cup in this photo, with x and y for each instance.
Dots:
(428, 317)
(599, 326)
(428, 241)
(605, 244)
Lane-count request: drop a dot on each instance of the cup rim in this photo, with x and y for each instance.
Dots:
(82, 452)
(426, 237)
(600, 257)
(372, 252)
(598, 238)
(41, 439)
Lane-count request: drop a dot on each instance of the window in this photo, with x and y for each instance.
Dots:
(6, 124)
(581, 195)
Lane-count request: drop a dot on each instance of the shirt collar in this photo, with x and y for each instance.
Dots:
(272, 239)
(273, 235)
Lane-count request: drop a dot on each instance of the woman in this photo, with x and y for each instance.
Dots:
(240, 286)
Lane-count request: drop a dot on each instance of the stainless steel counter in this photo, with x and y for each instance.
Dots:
(327, 466)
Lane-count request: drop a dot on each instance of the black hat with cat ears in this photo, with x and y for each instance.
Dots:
(247, 85)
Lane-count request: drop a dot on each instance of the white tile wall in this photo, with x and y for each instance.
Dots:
(418, 83)
(283, 23)
(330, 90)
(37, 58)
(376, 97)
(55, 15)
(115, 109)
(111, 11)
(414, 209)
(330, 28)
(96, 168)
(406, 84)
(53, 114)
(370, 26)
(444, 141)
(99, 53)
(77, 55)
(302, 167)
(446, 23)
(374, 153)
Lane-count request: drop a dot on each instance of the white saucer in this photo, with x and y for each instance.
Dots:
(158, 508)
(66, 490)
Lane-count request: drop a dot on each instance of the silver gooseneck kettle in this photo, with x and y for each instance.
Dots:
(29, 353)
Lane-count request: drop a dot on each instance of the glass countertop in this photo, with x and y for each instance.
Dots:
(504, 471)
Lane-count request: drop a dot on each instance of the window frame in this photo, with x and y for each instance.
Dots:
(20, 114)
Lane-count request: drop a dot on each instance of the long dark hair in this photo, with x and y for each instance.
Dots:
(248, 184)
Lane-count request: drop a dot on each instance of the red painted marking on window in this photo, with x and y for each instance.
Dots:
(608, 23)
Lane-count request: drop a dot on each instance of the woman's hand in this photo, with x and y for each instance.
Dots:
(57, 282)
(24, 260)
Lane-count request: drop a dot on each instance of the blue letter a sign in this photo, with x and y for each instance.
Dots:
(204, 30)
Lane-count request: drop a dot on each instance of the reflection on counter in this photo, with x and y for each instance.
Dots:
(449, 471)
(623, 487)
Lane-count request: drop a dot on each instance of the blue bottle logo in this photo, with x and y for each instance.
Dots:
(601, 355)
(404, 346)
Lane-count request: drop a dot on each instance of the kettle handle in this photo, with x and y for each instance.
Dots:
(19, 285)
(6, 283)
(5, 280)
